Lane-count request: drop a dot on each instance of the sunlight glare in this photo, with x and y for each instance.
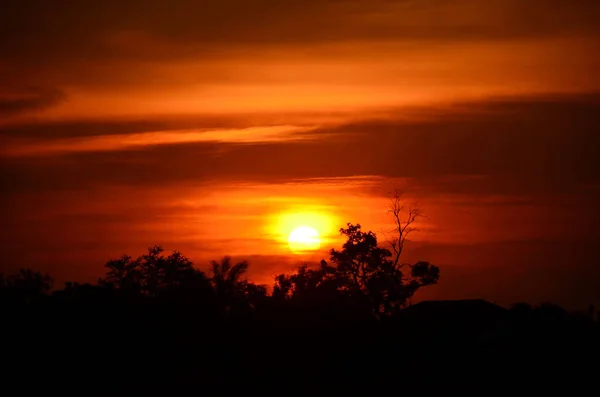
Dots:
(304, 238)
(316, 228)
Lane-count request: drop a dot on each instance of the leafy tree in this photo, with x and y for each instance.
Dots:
(365, 272)
(309, 284)
(256, 294)
(26, 286)
(153, 274)
(282, 289)
(375, 276)
(123, 274)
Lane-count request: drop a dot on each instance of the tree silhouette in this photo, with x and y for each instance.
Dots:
(181, 327)
(226, 277)
(310, 284)
(26, 286)
(255, 294)
(403, 224)
(153, 274)
(231, 290)
(362, 272)
(375, 277)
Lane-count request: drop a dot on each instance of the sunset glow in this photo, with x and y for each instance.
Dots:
(305, 231)
(304, 238)
(226, 127)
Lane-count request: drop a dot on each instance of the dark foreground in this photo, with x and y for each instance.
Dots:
(62, 346)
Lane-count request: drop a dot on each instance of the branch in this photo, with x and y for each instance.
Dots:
(402, 228)
(392, 243)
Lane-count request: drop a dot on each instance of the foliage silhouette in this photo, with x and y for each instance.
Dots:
(26, 286)
(231, 291)
(153, 273)
(363, 272)
(157, 325)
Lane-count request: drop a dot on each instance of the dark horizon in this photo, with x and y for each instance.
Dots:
(155, 325)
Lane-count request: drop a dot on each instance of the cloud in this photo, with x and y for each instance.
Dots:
(53, 130)
(541, 144)
(101, 44)
(132, 141)
(49, 130)
(89, 25)
(28, 100)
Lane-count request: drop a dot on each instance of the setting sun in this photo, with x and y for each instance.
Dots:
(304, 238)
(304, 231)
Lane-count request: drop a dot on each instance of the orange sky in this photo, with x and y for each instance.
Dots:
(214, 129)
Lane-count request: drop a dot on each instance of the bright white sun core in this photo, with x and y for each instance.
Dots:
(303, 239)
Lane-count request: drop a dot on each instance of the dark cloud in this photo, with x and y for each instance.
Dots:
(537, 145)
(40, 31)
(155, 46)
(52, 130)
(30, 100)
(75, 129)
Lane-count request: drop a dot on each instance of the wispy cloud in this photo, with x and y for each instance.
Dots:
(133, 141)
(30, 99)
(540, 144)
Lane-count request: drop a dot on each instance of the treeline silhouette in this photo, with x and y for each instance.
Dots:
(157, 325)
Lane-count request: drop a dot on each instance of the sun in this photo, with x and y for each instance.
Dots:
(302, 231)
(304, 238)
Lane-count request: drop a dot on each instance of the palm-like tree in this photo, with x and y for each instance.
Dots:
(225, 272)
(226, 279)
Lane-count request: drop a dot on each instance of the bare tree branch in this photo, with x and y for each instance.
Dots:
(403, 227)
(392, 242)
